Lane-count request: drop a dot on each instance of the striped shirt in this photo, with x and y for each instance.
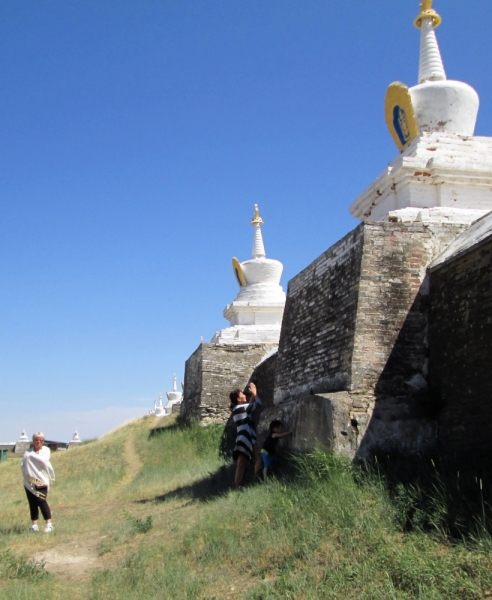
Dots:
(242, 415)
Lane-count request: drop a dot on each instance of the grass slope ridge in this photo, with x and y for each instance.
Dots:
(152, 507)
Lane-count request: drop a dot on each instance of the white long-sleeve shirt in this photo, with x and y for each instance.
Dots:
(36, 469)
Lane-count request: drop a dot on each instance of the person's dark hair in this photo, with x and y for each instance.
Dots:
(234, 395)
(274, 424)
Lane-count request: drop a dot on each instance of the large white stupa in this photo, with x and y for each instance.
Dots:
(443, 173)
(255, 316)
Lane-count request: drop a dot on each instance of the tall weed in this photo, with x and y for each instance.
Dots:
(20, 567)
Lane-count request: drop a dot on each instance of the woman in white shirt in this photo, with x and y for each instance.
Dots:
(38, 475)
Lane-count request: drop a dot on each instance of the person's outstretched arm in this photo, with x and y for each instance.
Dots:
(281, 435)
(255, 402)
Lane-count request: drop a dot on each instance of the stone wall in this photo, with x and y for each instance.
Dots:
(358, 306)
(211, 372)
(190, 405)
(461, 348)
(264, 378)
(356, 320)
(391, 347)
(317, 337)
(322, 420)
(366, 329)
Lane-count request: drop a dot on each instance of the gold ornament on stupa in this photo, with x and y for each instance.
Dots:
(257, 220)
(426, 10)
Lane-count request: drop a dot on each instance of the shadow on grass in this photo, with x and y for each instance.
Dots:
(448, 492)
(179, 425)
(208, 488)
(221, 481)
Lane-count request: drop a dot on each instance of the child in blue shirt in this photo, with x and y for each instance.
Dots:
(270, 445)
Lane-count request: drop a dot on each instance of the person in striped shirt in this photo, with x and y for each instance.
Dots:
(246, 449)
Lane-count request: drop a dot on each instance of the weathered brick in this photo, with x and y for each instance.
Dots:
(212, 371)
(461, 349)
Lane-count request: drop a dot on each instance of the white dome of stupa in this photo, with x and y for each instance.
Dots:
(440, 104)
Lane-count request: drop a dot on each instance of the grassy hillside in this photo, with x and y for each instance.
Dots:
(147, 512)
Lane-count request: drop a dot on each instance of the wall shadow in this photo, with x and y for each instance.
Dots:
(431, 485)
(178, 425)
(405, 410)
(435, 490)
(213, 486)
(221, 482)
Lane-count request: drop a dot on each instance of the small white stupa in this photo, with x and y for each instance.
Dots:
(443, 174)
(173, 397)
(23, 443)
(75, 441)
(255, 316)
(158, 410)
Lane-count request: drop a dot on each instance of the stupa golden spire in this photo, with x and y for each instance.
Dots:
(426, 10)
(257, 220)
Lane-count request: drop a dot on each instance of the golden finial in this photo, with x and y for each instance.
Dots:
(426, 10)
(257, 220)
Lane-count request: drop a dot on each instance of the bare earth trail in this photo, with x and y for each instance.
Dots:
(73, 559)
(80, 556)
(132, 459)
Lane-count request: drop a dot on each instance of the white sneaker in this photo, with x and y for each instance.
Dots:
(34, 528)
(48, 528)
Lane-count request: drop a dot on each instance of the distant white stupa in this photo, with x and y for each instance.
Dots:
(23, 443)
(443, 173)
(75, 441)
(255, 316)
(173, 397)
(23, 437)
(158, 410)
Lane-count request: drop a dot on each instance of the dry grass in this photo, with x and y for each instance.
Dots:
(101, 490)
(325, 534)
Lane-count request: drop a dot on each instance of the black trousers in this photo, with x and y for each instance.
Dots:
(38, 502)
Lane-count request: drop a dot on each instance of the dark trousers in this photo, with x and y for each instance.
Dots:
(38, 502)
(243, 465)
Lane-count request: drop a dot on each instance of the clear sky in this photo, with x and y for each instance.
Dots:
(136, 137)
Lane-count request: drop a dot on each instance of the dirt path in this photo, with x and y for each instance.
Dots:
(73, 559)
(132, 459)
(78, 557)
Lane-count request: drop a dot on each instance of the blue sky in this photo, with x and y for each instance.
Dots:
(135, 139)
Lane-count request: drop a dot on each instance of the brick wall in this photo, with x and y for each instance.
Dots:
(391, 347)
(211, 372)
(264, 378)
(356, 318)
(316, 341)
(461, 349)
(190, 405)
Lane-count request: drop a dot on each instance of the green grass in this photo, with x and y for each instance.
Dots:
(18, 567)
(171, 526)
